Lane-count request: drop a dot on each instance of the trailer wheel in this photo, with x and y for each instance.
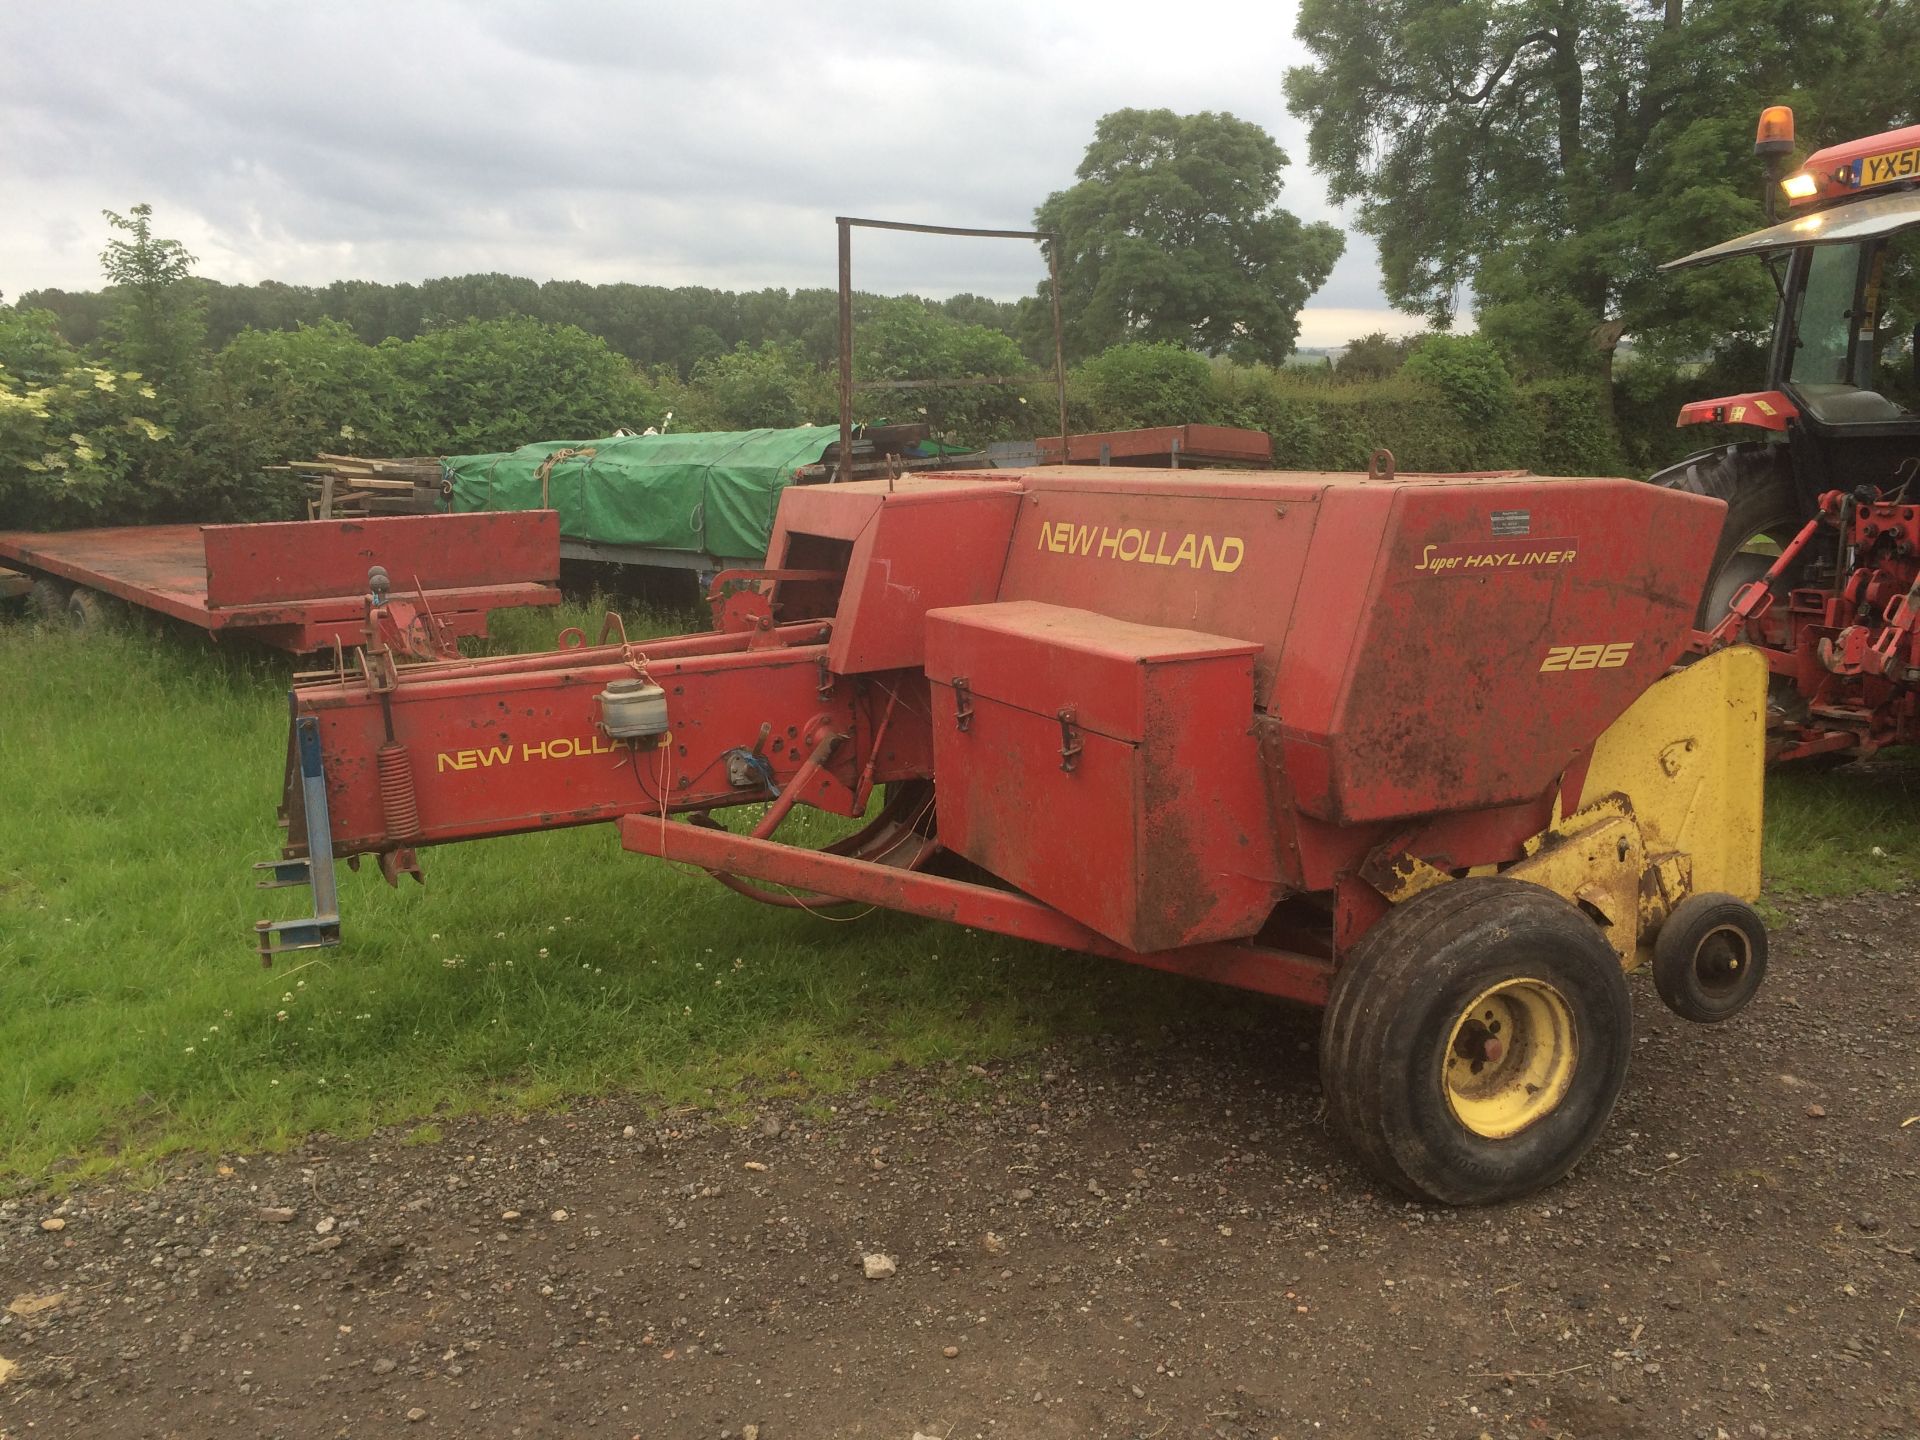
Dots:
(1475, 1042)
(47, 601)
(1710, 957)
(90, 610)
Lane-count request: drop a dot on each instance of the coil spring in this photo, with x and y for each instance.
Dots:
(399, 806)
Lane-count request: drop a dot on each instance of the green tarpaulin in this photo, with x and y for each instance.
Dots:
(711, 494)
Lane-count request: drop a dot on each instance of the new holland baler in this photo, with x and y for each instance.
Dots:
(1407, 747)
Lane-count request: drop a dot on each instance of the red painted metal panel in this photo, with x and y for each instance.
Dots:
(1249, 967)
(159, 567)
(301, 585)
(321, 559)
(1210, 554)
(510, 745)
(920, 550)
(1468, 641)
(1106, 768)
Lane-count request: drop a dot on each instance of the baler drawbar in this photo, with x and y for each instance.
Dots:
(1406, 747)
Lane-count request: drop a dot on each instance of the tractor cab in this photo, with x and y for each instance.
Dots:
(1837, 453)
(1843, 374)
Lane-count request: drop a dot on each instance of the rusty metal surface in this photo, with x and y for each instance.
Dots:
(1106, 770)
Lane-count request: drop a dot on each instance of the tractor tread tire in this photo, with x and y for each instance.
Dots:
(1394, 1003)
(1756, 481)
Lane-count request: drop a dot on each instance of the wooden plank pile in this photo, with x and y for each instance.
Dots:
(346, 487)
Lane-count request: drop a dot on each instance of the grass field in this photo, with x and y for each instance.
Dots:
(138, 778)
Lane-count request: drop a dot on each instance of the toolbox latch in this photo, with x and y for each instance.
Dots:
(1070, 746)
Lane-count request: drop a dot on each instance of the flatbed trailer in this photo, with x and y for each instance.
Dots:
(302, 585)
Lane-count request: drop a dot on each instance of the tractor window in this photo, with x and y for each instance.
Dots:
(1893, 303)
(1835, 379)
(1822, 354)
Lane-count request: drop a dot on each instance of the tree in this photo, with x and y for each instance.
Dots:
(1174, 233)
(72, 433)
(1548, 154)
(1373, 356)
(769, 387)
(498, 384)
(1139, 385)
(902, 339)
(157, 327)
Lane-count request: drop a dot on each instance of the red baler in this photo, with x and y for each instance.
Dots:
(1400, 746)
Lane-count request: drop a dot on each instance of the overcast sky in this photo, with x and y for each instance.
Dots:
(707, 143)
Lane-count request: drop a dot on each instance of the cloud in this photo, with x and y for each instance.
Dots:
(706, 144)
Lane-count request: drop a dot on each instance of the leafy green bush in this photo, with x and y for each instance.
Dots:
(903, 340)
(287, 394)
(1135, 386)
(1467, 371)
(496, 384)
(1573, 420)
(768, 386)
(73, 435)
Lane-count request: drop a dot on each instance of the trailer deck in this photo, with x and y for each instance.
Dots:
(301, 585)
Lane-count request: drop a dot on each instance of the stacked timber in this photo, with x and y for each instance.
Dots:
(345, 487)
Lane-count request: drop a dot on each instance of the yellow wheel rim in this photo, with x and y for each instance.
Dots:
(1510, 1059)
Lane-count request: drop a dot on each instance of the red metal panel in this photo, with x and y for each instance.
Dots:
(922, 548)
(286, 567)
(1208, 553)
(1468, 642)
(1249, 967)
(505, 752)
(1106, 768)
(319, 559)
(158, 567)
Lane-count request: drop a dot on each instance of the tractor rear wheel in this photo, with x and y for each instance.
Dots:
(1475, 1042)
(1763, 515)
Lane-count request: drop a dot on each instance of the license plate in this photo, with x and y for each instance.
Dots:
(1887, 168)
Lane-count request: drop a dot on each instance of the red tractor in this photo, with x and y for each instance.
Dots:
(1819, 564)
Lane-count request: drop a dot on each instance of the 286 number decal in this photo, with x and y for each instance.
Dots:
(1587, 657)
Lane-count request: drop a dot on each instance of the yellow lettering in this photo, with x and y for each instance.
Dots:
(1234, 545)
(1426, 558)
(534, 750)
(1189, 551)
(1109, 542)
(1138, 539)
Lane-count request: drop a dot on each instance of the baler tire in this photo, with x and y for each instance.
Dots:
(47, 601)
(1395, 1018)
(1710, 957)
